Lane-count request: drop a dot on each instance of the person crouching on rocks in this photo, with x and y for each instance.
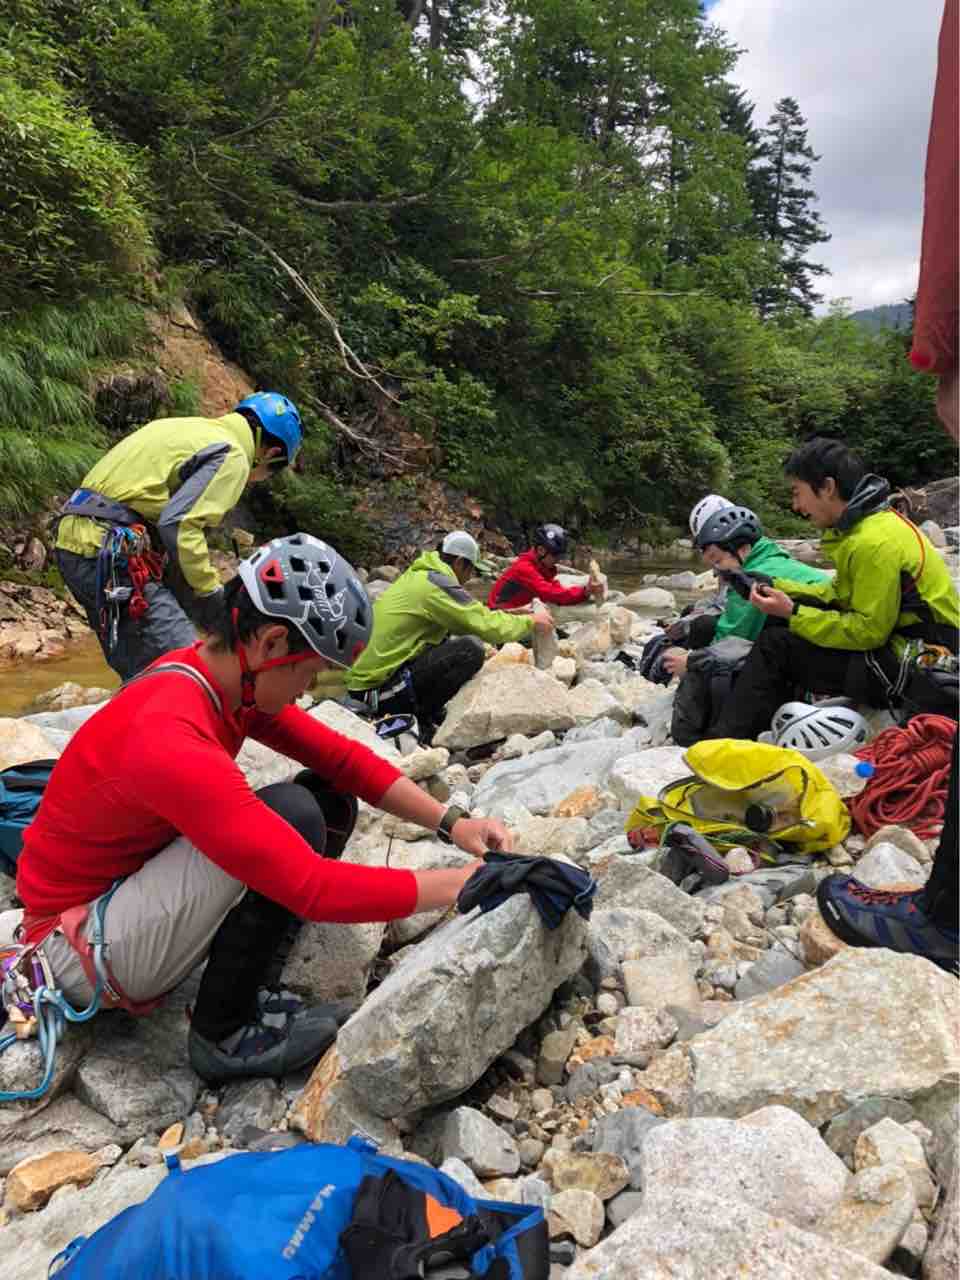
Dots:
(148, 822)
(427, 636)
(533, 575)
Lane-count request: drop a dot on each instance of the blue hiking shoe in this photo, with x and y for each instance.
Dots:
(891, 918)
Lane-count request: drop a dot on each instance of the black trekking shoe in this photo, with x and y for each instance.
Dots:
(286, 1034)
(893, 918)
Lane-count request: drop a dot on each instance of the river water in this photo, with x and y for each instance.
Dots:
(83, 662)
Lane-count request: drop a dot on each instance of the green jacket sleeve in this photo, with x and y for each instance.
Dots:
(211, 489)
(448, 604)
(873, 606)
(824, 592)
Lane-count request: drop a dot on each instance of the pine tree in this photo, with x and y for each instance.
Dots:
(783, 203)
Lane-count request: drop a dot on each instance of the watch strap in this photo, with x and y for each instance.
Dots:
(449, 820)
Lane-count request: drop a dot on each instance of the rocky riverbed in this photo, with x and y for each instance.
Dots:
(689, 1086)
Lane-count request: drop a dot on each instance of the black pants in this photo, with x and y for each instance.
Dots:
(436, 675)
(252, 944)
(779, 663)
(943, 887)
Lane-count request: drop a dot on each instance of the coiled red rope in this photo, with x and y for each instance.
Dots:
(909, 787)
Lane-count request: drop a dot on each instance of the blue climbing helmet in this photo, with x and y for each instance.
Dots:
(279, 417)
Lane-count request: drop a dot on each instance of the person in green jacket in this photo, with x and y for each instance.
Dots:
(849, 635)
(131, 543)
(411, 664)
(729, 538)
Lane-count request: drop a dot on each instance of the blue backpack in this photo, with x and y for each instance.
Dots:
(311, 1212)
(21, 790)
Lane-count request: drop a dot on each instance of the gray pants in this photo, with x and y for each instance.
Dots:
(163, 627)
(158, 925)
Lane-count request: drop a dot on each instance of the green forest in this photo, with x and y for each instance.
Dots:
(543, 244)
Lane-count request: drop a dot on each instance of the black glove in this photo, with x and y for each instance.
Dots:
(554, 886)
(390, 1234)
(742, 582)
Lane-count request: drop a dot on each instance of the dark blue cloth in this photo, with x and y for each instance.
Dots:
(553, 886)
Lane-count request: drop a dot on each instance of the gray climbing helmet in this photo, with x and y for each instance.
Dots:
(305, 581)
(729, 527)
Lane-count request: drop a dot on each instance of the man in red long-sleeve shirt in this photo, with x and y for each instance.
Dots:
(148, 793)
(533, 575)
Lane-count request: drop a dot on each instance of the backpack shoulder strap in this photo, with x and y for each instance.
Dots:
(182, 669)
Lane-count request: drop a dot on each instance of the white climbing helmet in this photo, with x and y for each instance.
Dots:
(819, 731)
(706, 508)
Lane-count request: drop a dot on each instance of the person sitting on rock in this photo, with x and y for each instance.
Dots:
(846, 636)
(532, 576)
(131, 543)
(411, 664)
(729, 538)
(148, 798)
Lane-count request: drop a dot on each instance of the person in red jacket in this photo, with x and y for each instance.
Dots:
(533, 575)
(148, 823)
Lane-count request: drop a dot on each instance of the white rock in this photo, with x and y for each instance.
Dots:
(658, 981)
(775, 1160)
(482, 1145)
(650, 598)
(645, 773)
(494, 704)
(21, 742)
(623, 881)
(333, 961)
(885, 864)
(564, 670)
(874, 1214)
(540, 784)
(590, 700)
(576, 1213)
(869, 1023)
(621, 933)
(887, 1142)
(641, 1032)
(676, 1236)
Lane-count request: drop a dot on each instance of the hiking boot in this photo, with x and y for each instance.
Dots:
(892, 918)
(284, 1035)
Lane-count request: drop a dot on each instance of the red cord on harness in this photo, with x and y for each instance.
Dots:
(147, 565)
(909, 787)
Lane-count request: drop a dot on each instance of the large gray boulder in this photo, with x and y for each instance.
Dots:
(623, 882)
(868, 1024)
(624, 933)
(676, 1236)
(515, 698)
(541, 781)
(775, 1160)
(137, 1073)
(21, 1070)
(457, 1002)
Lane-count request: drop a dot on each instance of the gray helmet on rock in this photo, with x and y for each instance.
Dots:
(305, 581)
(729, 527)
(552, 537)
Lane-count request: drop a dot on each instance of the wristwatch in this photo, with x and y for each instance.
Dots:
(449, 820)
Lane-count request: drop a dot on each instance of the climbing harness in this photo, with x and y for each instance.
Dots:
(125, 548)
(34, 1006)
(909, 787)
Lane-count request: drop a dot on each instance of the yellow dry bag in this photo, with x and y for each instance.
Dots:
(739, 788)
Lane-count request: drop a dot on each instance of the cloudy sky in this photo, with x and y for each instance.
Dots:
(862, 72)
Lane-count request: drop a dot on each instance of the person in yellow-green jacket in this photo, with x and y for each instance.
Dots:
(412, 665)
(847, 636)
(131, 543)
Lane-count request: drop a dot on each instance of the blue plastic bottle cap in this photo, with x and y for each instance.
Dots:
(864, 769)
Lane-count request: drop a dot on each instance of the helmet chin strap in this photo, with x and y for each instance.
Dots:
(248, 674)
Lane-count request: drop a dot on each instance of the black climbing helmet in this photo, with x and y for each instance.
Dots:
(305, 581)
(552, 538)
(729, 528)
